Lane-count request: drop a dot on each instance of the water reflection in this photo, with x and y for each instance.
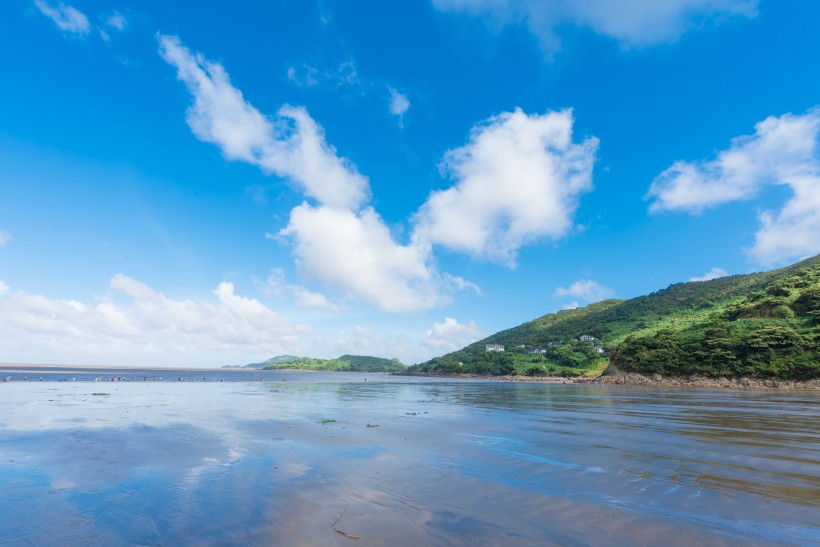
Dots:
(299, 459)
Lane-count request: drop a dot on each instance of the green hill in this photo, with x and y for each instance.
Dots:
(764, 325)
(352, 363)
(272, 361)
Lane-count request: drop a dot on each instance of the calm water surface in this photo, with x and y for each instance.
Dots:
(332, 459)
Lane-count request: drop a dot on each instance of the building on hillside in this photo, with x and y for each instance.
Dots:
(599, 349)
(494, 347)
(586, 338)
(538, 350)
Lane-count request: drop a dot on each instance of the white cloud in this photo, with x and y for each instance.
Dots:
(399, 103)
(117, 20)
(572, 305)
(67, 18)
(450, 335)
(586, 289)
(518, 180)
(794, 231)
(356, 254)
(304, 75)
(337, 74)
(783, 151)
(138, 325)
(714, 273)
(631, 22)
(273, 285)
(5, 238)
(309, 299)
(291, 145)
(460, 284)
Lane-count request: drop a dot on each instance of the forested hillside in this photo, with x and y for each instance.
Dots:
(764, 325)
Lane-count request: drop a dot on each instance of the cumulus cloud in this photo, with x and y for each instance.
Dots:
(67, 18)
(783, 151)
(5, 238)
(356, 254)
(291, 144)
(714, 273)
(450, 335)
(137, 324)
(585, 289)
(518, 180)
(633, 23)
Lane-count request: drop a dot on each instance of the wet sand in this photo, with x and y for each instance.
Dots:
(329, 459)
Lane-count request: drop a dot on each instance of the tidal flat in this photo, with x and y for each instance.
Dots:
(289, 458)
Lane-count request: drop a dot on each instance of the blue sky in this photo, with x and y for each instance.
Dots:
(198, 184)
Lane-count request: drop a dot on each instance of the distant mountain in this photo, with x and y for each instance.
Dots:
(272, 361)
(352, 363)
(764, 325)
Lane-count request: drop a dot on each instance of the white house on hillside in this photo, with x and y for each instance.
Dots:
(586, 338)
(495, 347)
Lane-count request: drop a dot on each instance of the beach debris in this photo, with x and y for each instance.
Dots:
(106, 394)
(372, 425)
(354, 537)
(327, 422)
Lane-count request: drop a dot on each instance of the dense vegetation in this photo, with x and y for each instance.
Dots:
(764, 325)
(352, 363)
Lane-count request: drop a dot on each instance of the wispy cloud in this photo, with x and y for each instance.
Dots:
(633, 24)
(117, 21)
(291, 145)
(67, 18)
(783, 151)
(399, 104)
(309, 299)
(714, 273)
(5, 238)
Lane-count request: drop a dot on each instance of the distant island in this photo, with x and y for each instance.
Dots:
(760, 326)
(345, 363)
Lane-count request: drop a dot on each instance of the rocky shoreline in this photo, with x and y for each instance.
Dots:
(634, 379)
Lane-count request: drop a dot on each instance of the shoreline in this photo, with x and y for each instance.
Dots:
(635, 379)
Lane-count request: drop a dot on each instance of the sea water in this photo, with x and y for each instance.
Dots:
(267, 458)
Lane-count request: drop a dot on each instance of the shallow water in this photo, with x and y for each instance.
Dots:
(332, 459)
